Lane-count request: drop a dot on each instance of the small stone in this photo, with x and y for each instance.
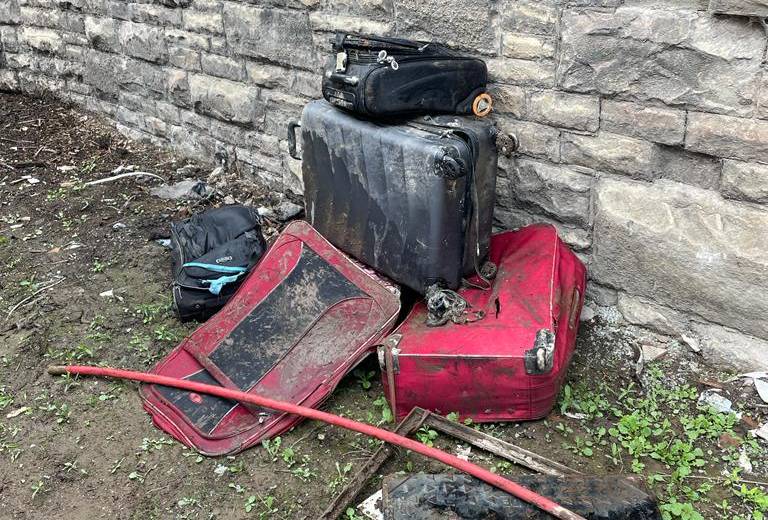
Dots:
(184, 190)
(117, 226)
(265, 212)
(229, 200)
(587, 313)
(728, 440)
(693, 342)
(66, 168)
(287, 210)
(715, 400)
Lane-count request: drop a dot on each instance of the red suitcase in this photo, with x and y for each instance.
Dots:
(509, 365)
(304, 317)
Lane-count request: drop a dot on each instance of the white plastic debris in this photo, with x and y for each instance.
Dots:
(117, 226)
(220, 469)
(66, 168)
(712, 398)
(463, 452)
(692, 342)
(17, 412)
(370, 508)
(184, 190)
(761, 385)
(744, 462)
(576, 415)
(761, 432)
(108, 294)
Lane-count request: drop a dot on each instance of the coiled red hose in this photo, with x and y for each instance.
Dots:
(483, 474)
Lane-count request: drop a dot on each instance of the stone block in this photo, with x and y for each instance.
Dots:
(102, 72)
(726, 346)
(177, 86)
(42, 40)
(324, 21)
(10, 13)
(602, 295)
(203, 21)
(680, 58)
(9, 41)
(685, 248)
(508, 99)
(225, 100)
(529, 16)
(184, 58)
(557, 191)
(611, 153)
(577, 238)
(102, 34)
(647, 314)
(187, 39)
(536, 140)
(745, 181)
(730, 137)
(756, 8)
(8, 81)
(576, 111)
(652, 123)
(47, 18)
(527, 46)
(155, 15)
(141, 77)
(639, 159)
(273, 34)
(143, 41)
(456, 22)
(222, 67)
(522, 72)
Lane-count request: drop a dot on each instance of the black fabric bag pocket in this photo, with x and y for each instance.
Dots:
(212, 254)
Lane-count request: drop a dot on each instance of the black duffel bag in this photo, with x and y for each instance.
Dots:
(212, 252)
(380, 76)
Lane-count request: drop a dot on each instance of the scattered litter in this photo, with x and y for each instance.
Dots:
(66, 168)
(712, 397)
(184, 190)
(123, 176)
(762, 389)
(287, 210)
(123, 168)
(108, 294)
(463, 452)
(652, 353)
(371, 507)
(587, 313)
(117, 226)
(761, 432)
(265, 212)
(693, 342)
(576, 415)
(28, 178)
(744, 462)
(17, 412)
(165, 242)
(220, 469)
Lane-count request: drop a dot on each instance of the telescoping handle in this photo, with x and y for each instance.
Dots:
(292, 126)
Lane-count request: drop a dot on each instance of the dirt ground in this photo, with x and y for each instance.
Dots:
(82, 449)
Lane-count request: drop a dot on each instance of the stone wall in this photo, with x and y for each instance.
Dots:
(643, 123)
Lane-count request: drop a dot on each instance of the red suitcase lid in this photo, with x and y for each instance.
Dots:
(303, 318)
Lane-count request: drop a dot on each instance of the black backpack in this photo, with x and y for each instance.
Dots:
(212, 253)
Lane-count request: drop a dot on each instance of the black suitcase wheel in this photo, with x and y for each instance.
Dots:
(482, 105)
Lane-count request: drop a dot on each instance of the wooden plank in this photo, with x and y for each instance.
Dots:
(498, 447)
(406, 428)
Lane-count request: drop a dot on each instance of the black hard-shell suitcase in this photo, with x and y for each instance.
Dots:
(378, 76)
(412, 200)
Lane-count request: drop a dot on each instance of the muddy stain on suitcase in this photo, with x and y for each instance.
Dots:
(266, 336)
(204, 411)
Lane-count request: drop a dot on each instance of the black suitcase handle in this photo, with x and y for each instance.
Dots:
(292, 126)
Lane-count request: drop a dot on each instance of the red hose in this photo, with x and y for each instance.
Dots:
(483, 474)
